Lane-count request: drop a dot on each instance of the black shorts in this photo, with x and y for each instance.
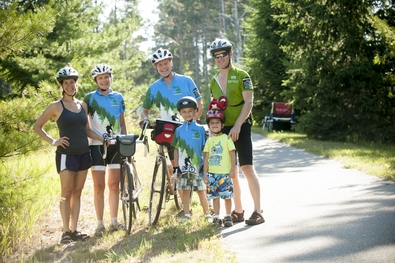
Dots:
(112, 160)
(73, 163)
(243, 144)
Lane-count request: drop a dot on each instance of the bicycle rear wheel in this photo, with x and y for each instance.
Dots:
(126, 197)
(157, 189)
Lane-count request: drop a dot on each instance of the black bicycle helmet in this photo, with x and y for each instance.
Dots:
(186, 102)
(66, 73)
(161, 54)
(220, 44)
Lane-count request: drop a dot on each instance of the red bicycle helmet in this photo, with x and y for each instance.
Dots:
(212, 114)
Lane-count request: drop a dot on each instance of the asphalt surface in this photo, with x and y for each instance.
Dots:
(315, 211)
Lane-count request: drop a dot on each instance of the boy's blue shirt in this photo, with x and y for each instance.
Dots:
(189, 139)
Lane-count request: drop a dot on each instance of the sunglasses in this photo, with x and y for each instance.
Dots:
(221, 55)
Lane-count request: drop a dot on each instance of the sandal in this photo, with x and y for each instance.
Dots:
(78, 236)
(255, 219)
(66, 238)
(237, 217)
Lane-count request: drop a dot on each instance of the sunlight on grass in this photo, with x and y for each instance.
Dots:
(24, 181)
(371, 158)
(196, 241)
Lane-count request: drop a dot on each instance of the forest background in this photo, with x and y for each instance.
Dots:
(333, 60)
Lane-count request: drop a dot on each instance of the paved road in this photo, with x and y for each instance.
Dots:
(315, 211)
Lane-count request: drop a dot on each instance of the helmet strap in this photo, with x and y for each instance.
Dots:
(65, 94)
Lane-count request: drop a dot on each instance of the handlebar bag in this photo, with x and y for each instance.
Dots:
(126, 144)
(164, 131)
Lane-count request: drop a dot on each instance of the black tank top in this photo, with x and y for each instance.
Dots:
(73, 126)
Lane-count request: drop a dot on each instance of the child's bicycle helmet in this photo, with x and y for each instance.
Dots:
(186, 102)
(212, 114)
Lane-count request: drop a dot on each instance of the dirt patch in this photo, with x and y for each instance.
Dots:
(49, 228)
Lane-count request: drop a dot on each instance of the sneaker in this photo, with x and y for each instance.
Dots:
(100, 230)
(217, 222)
(66, 238)
(228, 221)
(255, 219)
(237, 217)
(181, 213)
(209, 218)
(184, 220)
(78, 236)
(117, 227)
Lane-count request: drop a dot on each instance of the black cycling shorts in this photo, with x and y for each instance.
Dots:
(243, 144)
(112, 160)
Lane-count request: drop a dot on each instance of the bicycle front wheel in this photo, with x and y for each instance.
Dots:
(157, 189)
(137, 188)
(126, 197)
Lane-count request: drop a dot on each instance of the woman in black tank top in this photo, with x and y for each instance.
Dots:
(72, 150)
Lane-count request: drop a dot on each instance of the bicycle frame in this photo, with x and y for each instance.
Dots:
(130, 185)
(162, 188)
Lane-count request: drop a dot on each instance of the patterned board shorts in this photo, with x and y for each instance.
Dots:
(191, 181)
(219, 186)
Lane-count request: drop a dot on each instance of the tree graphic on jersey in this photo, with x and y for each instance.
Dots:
(102, 113)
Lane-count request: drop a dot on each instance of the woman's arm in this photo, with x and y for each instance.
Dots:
(52, 111)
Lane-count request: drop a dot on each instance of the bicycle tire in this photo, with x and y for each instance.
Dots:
(157, 189)
(126, 197)
(137, 188)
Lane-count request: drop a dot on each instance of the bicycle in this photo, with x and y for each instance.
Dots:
(130, 184)
(163, 183)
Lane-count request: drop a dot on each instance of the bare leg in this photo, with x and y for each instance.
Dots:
(228, 206)
(237, 192)
(203, 201)
(99, 186)
(113, 186)
(185, 199)
(66, 185)
(75, 201)
(253, 184)
(217, 206)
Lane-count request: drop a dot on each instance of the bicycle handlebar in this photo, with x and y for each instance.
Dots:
(111, 139)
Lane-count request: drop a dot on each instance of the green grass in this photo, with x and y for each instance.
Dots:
(195, 241)
(371, 158)
(26, 190)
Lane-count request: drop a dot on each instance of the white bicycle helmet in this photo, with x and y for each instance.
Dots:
(101, 69)
(66, 73)
(220, 44)
(161, 54)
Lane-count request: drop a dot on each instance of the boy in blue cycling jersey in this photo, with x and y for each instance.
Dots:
(188, 143)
